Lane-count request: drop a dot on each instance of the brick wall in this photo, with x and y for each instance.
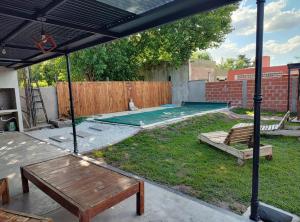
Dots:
(229, 91)
(274, 92)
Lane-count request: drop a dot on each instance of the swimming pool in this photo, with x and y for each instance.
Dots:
(156, 116)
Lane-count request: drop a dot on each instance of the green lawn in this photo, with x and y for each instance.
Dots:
(250, 112)
(173, 156)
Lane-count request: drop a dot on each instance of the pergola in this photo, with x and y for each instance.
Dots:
(77, 24)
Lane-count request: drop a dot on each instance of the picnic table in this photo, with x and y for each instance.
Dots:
(81, 186)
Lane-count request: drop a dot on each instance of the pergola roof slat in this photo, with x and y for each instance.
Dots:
(76, 24)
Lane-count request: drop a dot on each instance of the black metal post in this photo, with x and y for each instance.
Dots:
(288, 93)
(71, 103)
(257, 102)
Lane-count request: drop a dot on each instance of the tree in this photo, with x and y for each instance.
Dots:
(123, 59)
(240, 62)
(202, 55)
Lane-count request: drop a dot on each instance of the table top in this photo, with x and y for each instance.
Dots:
(81, 182)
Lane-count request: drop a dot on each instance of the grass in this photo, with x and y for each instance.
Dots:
(173, 156)
(250, 112)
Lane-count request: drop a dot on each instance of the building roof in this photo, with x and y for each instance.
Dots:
(77, 24)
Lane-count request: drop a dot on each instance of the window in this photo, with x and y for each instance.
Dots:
(264, 75)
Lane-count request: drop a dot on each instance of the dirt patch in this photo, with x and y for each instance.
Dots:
(183, 172)
(186, 189)
(232, 206)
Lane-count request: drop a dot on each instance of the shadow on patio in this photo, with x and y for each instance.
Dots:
(17, 149)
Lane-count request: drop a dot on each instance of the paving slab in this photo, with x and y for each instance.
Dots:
(110, 134)
(82, 134)
(18, 149)
(60, 138)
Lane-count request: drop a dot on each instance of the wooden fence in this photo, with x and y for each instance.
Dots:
(106, 97)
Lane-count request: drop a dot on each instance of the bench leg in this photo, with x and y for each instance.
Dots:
(84, 217)
(140, 199)
(269, 157)
(240, 162)
(5, 191)
(25, 185)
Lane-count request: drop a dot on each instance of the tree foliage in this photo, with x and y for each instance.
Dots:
(123, 59)
(202, 55)
(240, 62)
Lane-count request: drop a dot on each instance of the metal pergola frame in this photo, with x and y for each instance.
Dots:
(123, 23)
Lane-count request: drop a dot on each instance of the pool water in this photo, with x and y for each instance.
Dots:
(156, 116)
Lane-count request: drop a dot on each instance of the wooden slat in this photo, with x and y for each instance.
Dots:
(106, 97)
(11, 216)
(222, 146)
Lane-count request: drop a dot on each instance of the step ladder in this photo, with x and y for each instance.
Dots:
(37, 103)
(34, 101)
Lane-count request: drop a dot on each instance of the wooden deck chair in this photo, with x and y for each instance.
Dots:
(278, 126)
(237, 134)
(271, 127)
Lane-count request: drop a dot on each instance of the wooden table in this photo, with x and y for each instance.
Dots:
(9, 215)
(82, 187)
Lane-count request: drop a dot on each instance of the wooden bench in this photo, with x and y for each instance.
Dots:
(237, 134)
(13, 216)
(82, 187)
(4, 191)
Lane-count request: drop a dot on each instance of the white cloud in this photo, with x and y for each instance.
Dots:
(273, 48)
(230, 50)
(277, 18)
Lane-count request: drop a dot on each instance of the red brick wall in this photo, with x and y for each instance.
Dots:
(232, 73)
(274, 92)
(229, 91)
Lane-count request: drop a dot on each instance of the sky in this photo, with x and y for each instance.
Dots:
(281, 36)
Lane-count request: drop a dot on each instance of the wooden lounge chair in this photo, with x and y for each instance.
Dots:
(278, 126)
(271, 127)
(237, 134)
(8, 215)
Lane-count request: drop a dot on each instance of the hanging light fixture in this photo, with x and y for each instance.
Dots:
(43, 34)
(3, 51)
(46, 42)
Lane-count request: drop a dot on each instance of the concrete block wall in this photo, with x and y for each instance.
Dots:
(196, 91)
(50, 100)
(179, 78)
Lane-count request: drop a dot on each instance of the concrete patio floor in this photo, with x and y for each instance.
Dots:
(110, 134)
(161, 204)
